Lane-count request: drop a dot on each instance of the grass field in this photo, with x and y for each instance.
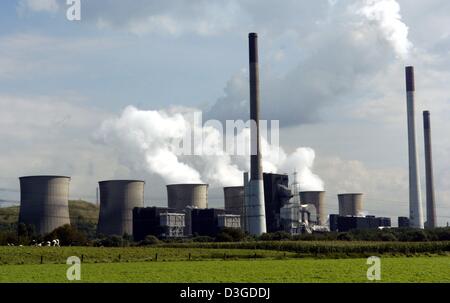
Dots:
(416, 269)
(55, 255)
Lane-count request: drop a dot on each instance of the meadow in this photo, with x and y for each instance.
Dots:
(414, 269)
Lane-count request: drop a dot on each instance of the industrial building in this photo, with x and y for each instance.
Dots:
(209, 222)
(276, 194)
(160, 222)
(44, 202)
(403, 222)
(118, 198)
(347, 223)
(185, 197)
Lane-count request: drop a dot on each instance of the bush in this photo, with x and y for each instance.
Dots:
(110, 241)
(345, 237)
(276, 236)
(232, 235)
(67, 235)
(224, 237)
(388, 237)
(150, 240)
(202, 239)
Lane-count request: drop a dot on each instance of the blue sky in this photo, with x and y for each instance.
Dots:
(331, 72)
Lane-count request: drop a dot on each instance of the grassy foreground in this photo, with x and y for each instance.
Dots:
(415, 269)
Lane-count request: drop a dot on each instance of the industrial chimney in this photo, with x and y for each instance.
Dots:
(431, 207)
(415, 203)
(255, 209)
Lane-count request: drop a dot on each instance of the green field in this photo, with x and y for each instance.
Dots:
(59, 255)
(416, 269)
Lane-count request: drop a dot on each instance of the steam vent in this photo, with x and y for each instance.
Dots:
(44, 202)
(117, 200)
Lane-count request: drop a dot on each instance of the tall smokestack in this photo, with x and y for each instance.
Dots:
(415, 203)
(255, 210)
(431, 207)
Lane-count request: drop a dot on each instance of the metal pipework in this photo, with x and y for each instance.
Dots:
(415, 201)
(431, 206)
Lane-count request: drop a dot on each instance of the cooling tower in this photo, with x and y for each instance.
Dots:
(415, 203)
(234, 200)
(117, 200)
(350, 204)
(255, 209)
(431, 206)
(316, 198)
(44, 202)
(180, 196)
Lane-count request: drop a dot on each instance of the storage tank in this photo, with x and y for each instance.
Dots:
(234, 200)
(44, 202)
(316, 198)
(350, 204)
(117, 200)
(181, 196)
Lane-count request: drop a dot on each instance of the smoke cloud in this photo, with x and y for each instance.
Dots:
(150, 140)
(386, 13)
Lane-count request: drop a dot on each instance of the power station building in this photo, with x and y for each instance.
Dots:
(276, 195)
(44, 202)
(347, 223)
(118, 198)
(185, 197)
(209, 222)
(160, 222)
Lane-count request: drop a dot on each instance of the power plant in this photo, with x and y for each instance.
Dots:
(44, 202)
(118, 198)
(264, 204)
(254, 208)
(431, 206)
(415, 201)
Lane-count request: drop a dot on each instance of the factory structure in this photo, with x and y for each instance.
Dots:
(264, 203)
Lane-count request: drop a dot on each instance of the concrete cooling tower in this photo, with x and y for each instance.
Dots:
(350, 204)
(44, 202)
(181, 196)
(316, 198)
(117, 200)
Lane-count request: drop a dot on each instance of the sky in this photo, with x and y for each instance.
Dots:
(332, 73)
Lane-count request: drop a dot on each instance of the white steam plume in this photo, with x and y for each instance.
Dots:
(153, 138)
(386, 13)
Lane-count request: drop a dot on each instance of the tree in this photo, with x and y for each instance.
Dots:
(67, 235)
